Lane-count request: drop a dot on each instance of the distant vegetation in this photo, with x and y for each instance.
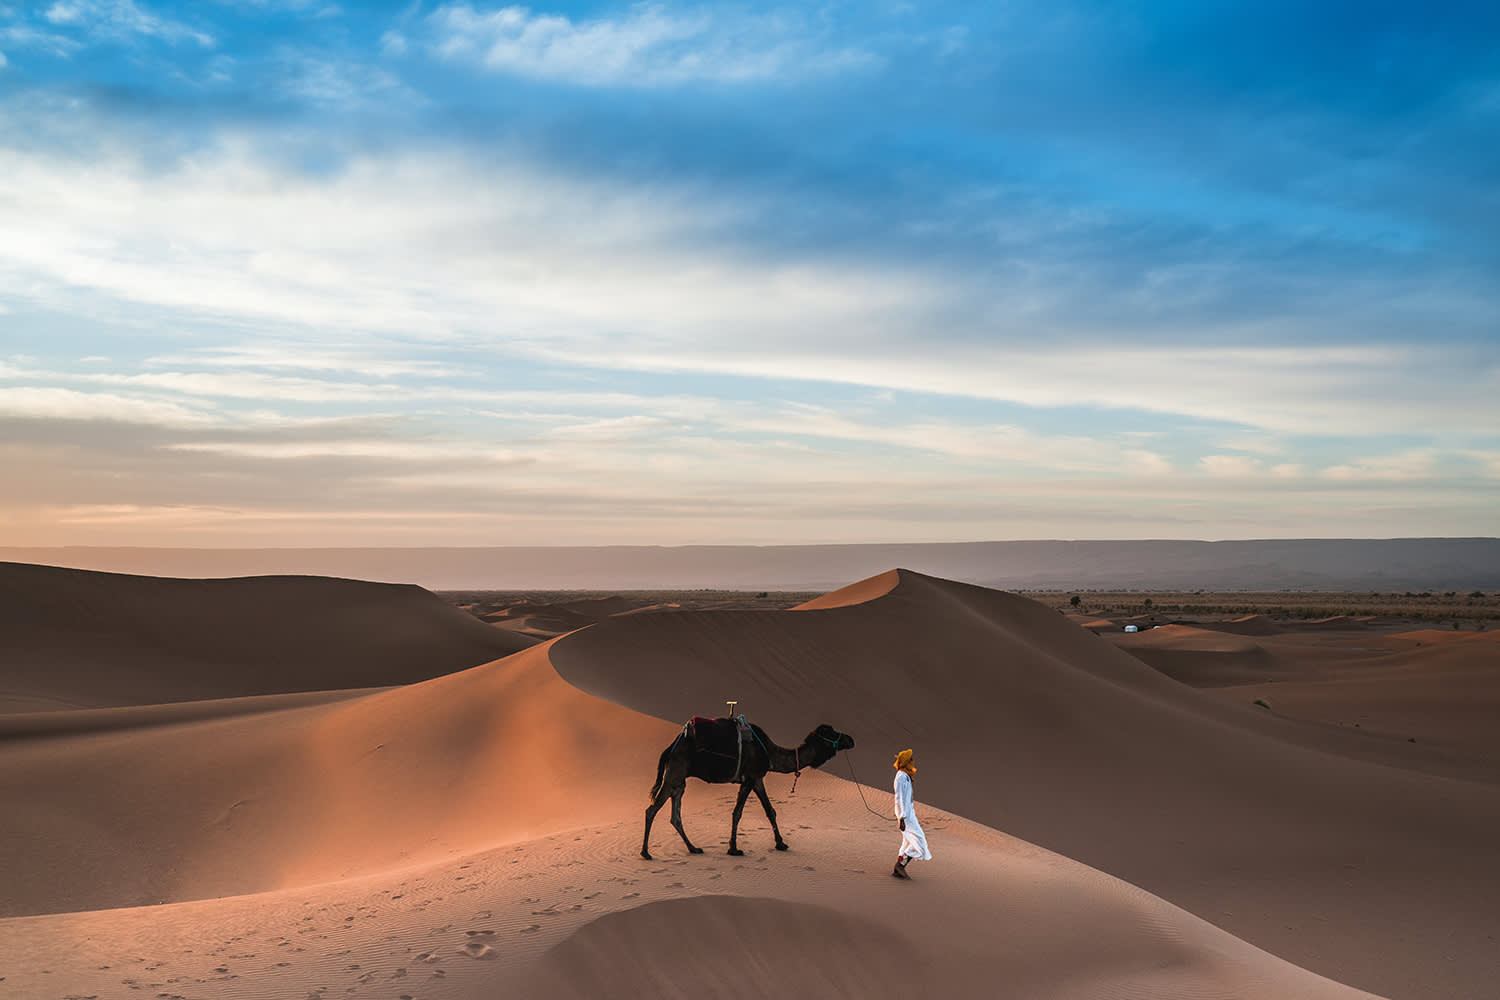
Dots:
(482, 602)
(1426, 606)
(1452, 608)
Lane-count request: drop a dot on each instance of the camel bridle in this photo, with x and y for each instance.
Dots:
(797, 756)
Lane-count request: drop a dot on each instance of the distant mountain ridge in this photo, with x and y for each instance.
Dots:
(1267, 564)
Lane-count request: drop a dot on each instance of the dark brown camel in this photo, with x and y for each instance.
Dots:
(746, 764)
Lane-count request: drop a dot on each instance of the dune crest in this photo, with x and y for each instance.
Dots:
(502, 752)
(856, 593)
(476, 833)
(1028, 723)
(74, 639)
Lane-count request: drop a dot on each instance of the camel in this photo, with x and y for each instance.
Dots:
(746, 764)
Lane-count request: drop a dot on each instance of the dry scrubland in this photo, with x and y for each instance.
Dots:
(1470, 608)
(309, 788)
(564, 610)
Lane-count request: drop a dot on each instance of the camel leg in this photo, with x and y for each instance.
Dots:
(677, 819)
(651, 811)
(734, 829)
(765, 800)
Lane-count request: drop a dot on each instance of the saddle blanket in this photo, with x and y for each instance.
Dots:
(720, 736)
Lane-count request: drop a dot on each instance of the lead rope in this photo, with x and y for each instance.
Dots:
(859, 788)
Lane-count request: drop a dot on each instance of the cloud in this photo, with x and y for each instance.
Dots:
(647, 46)
(1412, 465)
(117, 20)
(569, 270)
(338, 82)
(54, 403)
(1230, 466)
(354, 358)
(23, 36)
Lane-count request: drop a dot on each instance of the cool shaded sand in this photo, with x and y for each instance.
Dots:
(476, 834)
(1439, 689)
(73, 639)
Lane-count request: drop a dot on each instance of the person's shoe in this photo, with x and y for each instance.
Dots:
(900, 870)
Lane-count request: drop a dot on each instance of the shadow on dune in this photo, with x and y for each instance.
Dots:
(1319, 846)
(1032, 725)
(78, 639)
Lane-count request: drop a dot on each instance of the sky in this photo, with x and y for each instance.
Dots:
(285, 273)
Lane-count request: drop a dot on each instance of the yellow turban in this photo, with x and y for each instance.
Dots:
(904, 762)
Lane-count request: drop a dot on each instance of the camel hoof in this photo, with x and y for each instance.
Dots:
(781, 847)
(647, 856)
(735, 852)
(695, 850)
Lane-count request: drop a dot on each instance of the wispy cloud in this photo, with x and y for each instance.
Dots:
(646, 46)
(24, 36)
(119, 20)
(335, 81)
(55, 403)
(640, 278)
(677, 272)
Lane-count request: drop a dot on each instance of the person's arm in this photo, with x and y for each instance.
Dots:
(903, 801)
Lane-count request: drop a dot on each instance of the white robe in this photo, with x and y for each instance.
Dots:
(913, 840)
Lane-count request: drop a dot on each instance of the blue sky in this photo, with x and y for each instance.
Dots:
(296, 273)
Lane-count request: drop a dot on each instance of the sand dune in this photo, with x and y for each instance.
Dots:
(76, 639)
(1200, 657)
(546, 620)
(1245, 625)
(254, 802)
(580, 914)
(1032, 725)
(476, 834)
(1438, 636)
(1445, 694)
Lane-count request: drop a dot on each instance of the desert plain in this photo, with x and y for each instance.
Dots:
(314, 788)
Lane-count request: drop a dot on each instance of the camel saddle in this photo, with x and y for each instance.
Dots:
(723, 737)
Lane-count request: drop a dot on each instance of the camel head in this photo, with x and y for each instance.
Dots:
(825, 741)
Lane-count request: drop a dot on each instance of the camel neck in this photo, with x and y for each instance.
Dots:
(786, 761)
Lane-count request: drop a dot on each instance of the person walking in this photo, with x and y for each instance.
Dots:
(913, 840)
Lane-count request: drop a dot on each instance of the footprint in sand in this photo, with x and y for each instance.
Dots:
(630, 895)
(532, 929)
(478, 949)
(428, 957)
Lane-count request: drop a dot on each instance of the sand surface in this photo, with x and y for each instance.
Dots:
(1100, 829)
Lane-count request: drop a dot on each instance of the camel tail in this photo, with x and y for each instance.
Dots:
(661, 769)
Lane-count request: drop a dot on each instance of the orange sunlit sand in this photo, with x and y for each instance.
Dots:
(294, 787)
